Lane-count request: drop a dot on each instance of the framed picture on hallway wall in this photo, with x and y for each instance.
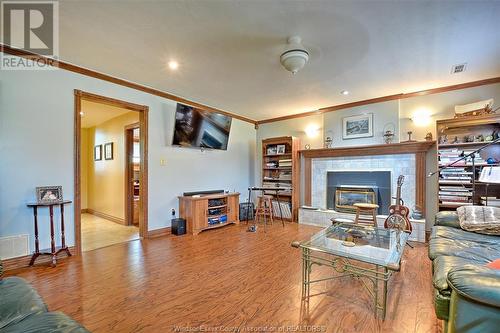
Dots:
(108, 151)
(360, 126)
(98, 153)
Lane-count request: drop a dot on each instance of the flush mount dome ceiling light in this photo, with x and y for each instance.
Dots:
(295, 57)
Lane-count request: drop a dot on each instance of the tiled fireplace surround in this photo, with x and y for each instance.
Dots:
(397, 164)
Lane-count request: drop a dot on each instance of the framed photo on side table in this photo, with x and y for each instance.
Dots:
(108, 151)
(47, 194)
(98, 153)
(359, 126)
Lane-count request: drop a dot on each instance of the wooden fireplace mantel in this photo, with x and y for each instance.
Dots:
(383, 149)
(418, 148)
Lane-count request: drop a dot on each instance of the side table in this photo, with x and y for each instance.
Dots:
(54, 251)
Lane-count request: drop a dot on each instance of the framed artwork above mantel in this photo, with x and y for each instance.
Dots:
(359, 126)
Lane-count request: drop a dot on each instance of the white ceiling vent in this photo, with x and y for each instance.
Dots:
(458, 68)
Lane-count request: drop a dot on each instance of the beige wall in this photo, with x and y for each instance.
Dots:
(440, 106)
(84, 163)
(106, 178)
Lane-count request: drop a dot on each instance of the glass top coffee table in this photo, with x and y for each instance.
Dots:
(364, 252)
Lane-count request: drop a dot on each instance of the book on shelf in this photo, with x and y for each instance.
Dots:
(490, 203)
(452, 193)
(448, 156)
(458, 204)
(453, 198)
(453, 188)
(457, 177)
(285, 163)
(451, 181)
(285, 176)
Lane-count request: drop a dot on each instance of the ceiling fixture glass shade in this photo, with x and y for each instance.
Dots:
(295, 57)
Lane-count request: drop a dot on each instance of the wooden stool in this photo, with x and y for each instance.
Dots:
(264, 208)
(369, 211)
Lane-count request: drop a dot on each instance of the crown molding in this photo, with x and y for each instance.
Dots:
(104, 77)
(101, 76)
(384, 99)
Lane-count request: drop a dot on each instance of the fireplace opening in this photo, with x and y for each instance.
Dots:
(345, 188)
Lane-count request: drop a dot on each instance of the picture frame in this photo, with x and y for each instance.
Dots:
(49, 194)
(272, 150)
(280, 149)
(108, 151)
(358, 126)
(98, 153)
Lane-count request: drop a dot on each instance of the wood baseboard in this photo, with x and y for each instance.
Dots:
(159, 232)
(22, 262)
(84, 211)
(106, 216)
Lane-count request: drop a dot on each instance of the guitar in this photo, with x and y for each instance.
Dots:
(398, 213)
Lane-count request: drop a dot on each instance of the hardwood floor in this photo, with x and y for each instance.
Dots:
(98, 232)
(226, 277)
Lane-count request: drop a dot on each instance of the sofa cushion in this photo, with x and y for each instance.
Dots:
(476, 283)
(446, 241)
(442, 265)
(54, 322)
(18, 301)
(480, 219)
(447, 219)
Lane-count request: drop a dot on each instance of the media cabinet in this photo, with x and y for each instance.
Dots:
(210, 211)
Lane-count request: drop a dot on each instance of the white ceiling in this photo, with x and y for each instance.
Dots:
(97, 113)
(228, 51)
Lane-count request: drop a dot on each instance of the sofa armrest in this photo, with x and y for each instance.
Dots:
(475, 299)
(447, 219)
(476, 283)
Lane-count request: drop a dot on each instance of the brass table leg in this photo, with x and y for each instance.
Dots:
(375, 291)
(306, 273)
(384, 302)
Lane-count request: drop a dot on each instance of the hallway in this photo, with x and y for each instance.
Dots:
(98, 232)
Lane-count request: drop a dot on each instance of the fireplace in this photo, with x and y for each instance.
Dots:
(347, 196)
(344, 188)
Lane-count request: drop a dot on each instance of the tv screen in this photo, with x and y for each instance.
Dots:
(199, 128)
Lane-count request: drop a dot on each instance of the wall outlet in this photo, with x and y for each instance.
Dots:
(163, 162)
(173, 212)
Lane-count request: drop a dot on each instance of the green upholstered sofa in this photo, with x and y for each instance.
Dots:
(23, 310)
(467, 293)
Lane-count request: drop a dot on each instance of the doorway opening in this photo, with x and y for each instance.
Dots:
(110, 165)
(132, 173)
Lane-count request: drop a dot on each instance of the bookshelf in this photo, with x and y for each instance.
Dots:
(457, 185)
(280, 168)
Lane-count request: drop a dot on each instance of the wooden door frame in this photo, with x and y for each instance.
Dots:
(143, 175)
(129, 190)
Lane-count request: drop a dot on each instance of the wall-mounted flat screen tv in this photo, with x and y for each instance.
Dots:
(200, 129)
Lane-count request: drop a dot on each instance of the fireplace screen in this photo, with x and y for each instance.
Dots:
(346, 197)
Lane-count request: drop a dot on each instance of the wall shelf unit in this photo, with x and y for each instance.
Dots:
(458, 185)
(280, 168)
